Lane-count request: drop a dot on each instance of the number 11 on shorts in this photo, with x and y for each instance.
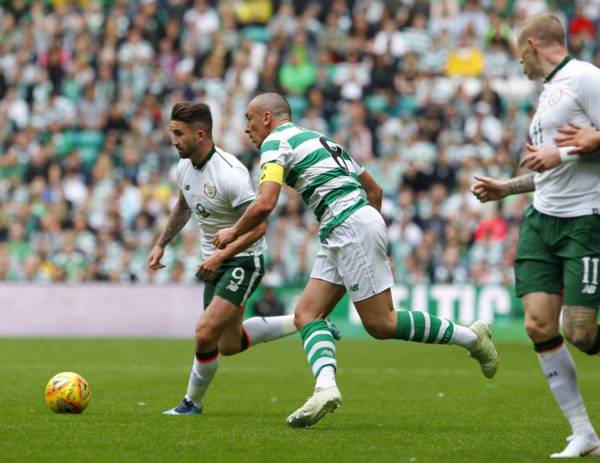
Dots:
(590, 284)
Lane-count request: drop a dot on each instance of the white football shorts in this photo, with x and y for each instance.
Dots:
(354, 255)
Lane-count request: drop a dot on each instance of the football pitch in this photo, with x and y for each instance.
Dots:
(401, 403)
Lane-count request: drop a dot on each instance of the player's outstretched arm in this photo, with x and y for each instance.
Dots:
(521, 184)
(372, 188)
(254, 216)
(178, 218)
(489, 189)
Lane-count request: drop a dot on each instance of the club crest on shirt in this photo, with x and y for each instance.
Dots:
(210, 190)
(555, 97)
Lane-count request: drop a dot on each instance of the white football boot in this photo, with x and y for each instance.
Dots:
(580, 445)
(484, 350)
(316, 407)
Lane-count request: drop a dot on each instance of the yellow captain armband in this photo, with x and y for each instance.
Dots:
(271, 172)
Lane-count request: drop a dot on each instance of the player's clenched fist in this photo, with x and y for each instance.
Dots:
(225, 236)
(488, 189)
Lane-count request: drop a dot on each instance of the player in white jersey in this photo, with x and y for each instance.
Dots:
(346, 201)
(558, 256)
(215, 187)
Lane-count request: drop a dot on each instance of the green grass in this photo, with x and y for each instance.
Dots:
(402, 403)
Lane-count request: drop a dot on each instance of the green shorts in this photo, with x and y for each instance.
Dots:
(236, 280)
(559, 255)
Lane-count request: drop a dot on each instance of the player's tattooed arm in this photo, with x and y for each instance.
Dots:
(490, 189)
(521, 184)
(177, 220)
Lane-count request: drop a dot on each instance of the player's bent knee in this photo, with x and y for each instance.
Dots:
(205, 336)
(539, 330)
(301, 319)
(533, 332)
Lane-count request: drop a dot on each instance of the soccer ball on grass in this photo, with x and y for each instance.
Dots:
(67, 392)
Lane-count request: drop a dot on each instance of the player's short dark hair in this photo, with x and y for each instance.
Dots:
(193, 113)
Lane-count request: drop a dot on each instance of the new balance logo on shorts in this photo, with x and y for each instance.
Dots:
(589, 289)
(354, 288)
(232, 286)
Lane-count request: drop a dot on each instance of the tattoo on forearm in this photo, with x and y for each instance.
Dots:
(178, 218)
(522, 184)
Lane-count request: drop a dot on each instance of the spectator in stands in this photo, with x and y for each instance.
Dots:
(268, 305)
(425, 93)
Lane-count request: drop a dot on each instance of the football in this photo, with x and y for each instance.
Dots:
(67, 392)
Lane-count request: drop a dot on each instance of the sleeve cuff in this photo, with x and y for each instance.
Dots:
(565, 156)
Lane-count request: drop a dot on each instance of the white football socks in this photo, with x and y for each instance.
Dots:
(326, 378)
(559, 369)
(463, 336)
(200, 378)
(265, 329)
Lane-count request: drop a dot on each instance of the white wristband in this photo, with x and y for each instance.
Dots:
(565, 156)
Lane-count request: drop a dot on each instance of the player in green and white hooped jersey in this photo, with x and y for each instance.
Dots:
(215, 187)
(558, 256)
(346, 201)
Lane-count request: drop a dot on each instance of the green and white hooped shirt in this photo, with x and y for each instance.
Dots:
(320, 170)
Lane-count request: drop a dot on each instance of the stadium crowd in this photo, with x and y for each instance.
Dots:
(425, 94)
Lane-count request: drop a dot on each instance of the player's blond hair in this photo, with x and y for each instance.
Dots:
(546, 28)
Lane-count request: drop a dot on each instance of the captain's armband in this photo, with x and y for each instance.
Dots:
(271, 172)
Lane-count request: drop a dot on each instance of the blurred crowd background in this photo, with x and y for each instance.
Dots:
(425, 94)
